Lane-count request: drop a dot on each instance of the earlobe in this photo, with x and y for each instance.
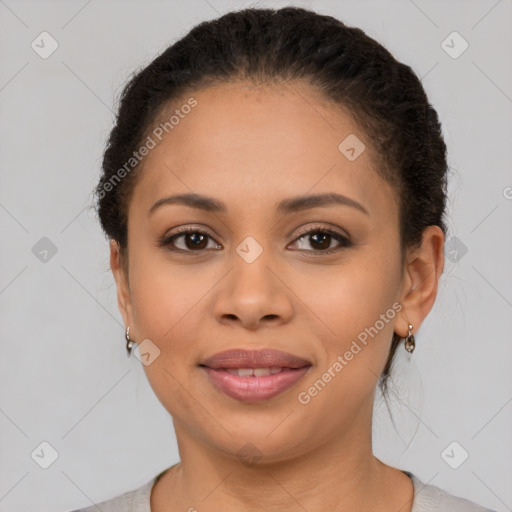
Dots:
(121, 279)
(424, 266)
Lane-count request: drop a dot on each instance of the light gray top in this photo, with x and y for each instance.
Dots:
(427, 498)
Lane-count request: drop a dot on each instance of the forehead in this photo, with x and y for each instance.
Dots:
(241, 114)
(243, 140)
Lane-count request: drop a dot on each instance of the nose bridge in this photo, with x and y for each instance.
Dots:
(253, 293)
(252, 278)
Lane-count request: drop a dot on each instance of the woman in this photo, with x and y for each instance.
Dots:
(274, 195)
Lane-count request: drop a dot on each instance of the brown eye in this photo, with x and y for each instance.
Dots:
(188, 240)
(320, 240)
(195, 241)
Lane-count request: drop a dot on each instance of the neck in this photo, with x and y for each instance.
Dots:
(342, 474)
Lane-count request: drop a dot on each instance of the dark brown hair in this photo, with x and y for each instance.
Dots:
(384, 96)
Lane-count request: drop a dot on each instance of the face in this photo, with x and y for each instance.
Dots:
(263, 267)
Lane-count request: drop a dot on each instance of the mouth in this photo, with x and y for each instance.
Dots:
(254, 376)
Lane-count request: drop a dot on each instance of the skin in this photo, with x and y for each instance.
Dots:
(251, 147)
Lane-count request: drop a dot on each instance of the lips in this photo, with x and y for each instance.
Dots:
(253, 376)
(265, 358)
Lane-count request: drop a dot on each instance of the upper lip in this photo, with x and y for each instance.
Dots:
(265, 358)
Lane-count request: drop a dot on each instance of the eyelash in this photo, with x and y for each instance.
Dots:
(167, 241)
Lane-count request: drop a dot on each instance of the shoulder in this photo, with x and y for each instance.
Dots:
(429, 498)
(137, 500)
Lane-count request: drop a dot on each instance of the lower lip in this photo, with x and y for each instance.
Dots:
(255, 389)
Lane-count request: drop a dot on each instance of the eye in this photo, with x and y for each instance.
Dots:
(188, 239)
(321, 238)
(191, 239)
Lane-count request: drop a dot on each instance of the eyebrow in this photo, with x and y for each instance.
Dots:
(300, 203)
(292, 205)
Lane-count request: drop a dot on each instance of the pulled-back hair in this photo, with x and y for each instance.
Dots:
(384, 96)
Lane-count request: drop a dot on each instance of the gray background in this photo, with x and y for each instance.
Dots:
(64, 375)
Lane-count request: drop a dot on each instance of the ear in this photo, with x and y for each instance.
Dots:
(423, 268)
(120, 272)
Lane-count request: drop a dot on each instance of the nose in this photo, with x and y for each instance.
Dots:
(253, 295)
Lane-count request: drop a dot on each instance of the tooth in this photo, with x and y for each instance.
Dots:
(275, 369)
(233, 371)
(261, 372)
(245, 372)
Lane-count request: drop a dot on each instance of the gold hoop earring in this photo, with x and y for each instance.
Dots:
(410, 343)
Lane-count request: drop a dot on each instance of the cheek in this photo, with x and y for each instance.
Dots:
(163, 294)
(356, 308)
(165, 299)
(351, 298)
